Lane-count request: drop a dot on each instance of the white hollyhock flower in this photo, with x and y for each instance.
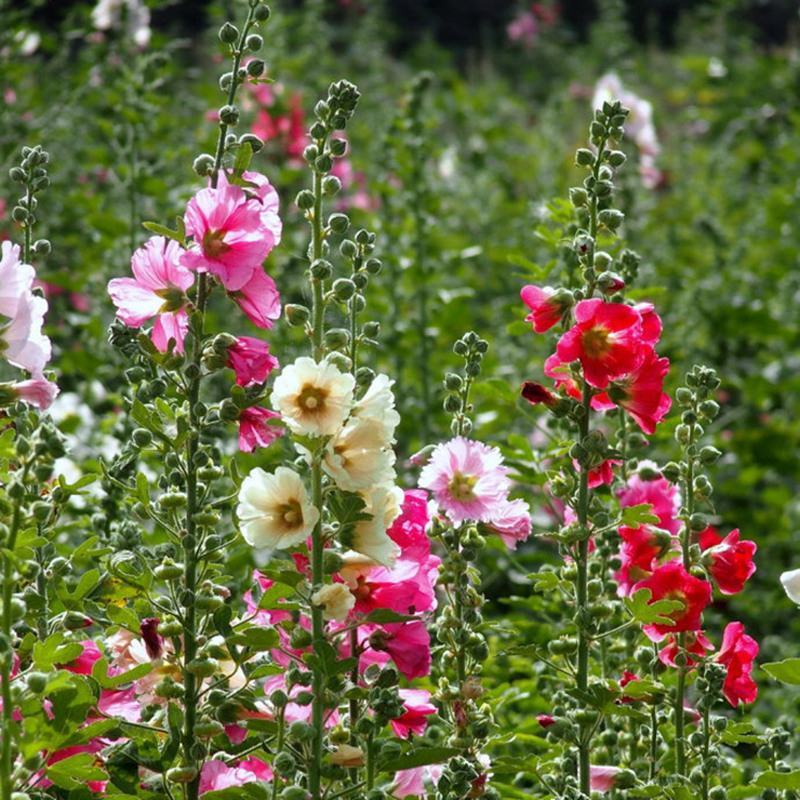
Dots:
(336, 601)
(378, 403)
(313, 399)
(791, 585)
(22, 342)
(107, 14)
(16, 279)
(369, 537)
(360, 456)
(274, 509)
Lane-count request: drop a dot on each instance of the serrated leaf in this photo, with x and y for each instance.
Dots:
(75, 771)
(786, 671)
(106, 681)
(163, 230)
(384, 616)
(651, 613)
(641, 514)
(257, 639)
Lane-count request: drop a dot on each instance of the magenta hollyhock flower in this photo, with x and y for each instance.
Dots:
(153, 642)
(651, 323)
(158, 289)
(259, 298)
(512, 522)
(535, 394)
(251, 360)
(121, 703)
(254, 430)
(408, 645)
(729, 560)
(417, 707)
(408, 531)
(696, 645)
(468, 480)
(82, 665)
(606, 339)
(546, 304)
(658, 493)
(738, 653)
(231, 239)
(38, 391)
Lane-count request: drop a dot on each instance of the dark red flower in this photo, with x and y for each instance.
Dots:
(535, 393)
(152, 640)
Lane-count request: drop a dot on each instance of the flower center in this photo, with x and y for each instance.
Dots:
(596, 342)
(291, 513)
(363, 591)
(312, 399)
(462, 486)
(173, 299)
(214, 244)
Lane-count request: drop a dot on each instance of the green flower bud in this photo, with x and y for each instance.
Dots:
(229, 115)
(343, 289)
(228, 33)
(261, 12)
(305, 200)
(338, 223)
(584, 157)
(296, 314)
(253, 43)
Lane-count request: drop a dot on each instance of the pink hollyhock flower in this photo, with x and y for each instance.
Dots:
(467, 478)
(603, 779)
(640, 553)
(385, 588)
(254, 430)
(697, 644)
(738, 654)
(524, 29)
(641, 393)
(414, 719)
(22, 342)
(83, 664)
(512, 522)
(408, 529)
(157, 289)
(412, 782)
(258, 297)
(658, 493)
(120, 703)
(230, 238)
(729, 560)
(251, 360)
(545, 720)
(38, 391)
(217, 775)
(408, 644)
(671, 581)
(606, 339)
(16, 279)
(265, 193)
(560, 372)
(535, 394)
(547, 306)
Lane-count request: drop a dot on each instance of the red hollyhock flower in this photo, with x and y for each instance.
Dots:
(547, 306)
(535, 393)
(545, 720)
(627, 678)
(606, 339)
(640, 553)
(651, 323)
(738, 654)
(152, 640)
(641, 392)
(729, 560)
(696, 645)
(671, 581)
(408, 644)
(602, 475)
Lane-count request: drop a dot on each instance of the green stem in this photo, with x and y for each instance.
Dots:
(370, 763)
(706, 743)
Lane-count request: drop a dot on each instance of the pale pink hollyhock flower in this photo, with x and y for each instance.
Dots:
(158, 289)
(524, 29)
(512, 522)
(16, 279)
(467, 478)
(38, 391)
(417, 708)
(602, 779)
(120, 703)
(230, 237)
(658, 493)
(254, 430)
(22, 342)
(259, 299)
(412, 782)
(217, 775)
(266, 194)
(251, 360)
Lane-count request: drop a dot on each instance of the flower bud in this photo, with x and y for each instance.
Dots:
(229, 115)
(338, 223)
(584, 157)
(331, 185)
(296, 314)
(343, 289)
(305, 199)
(228, 33)
(203, 164)
(261, 12)
(253, 43)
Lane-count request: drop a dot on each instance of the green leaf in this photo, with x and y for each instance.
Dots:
(75, 771)
(244, 155)
(642, 514)
(348, 508)
(383, 616)
(106, 681)
(545, 581)
(779, 780)
(420, 757)
(257, 639)
(163, 230)
(655, 613)
(54, 650)
(786, 671)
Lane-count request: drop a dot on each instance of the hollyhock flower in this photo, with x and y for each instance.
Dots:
(38, 391)
(730, 561)
(265, 193)
(82, 665)
(217, 775)
(122, 703)
(254, 430)
(413, 782)
(651, 323)
(359, 455)
(259, 299)
(791, 584)
(603, 779)
(606, 339)
(378, 404)
(274, 509)
(535, 393)
(658, 493)
(107, 15)
(601, 475)
(738, 654)
(547, 306)
(313, 398)
(153, 642)
(545, 720)
(345, 755)
(230, 238)
(408, 530)
(251, 360)
(417, 708)
(641, 550)
(16, 279)
(524, 29)
(641, 393)
(369, 537)
(671, 581)
(93, 746)
(408, 644)
(157, 289)
(336, 601)
(512, 522)
(467, 478)
(22, 342)
(695, 644)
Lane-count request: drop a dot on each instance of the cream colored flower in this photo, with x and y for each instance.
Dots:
(313, 399)
(336, 601)
(274, 509)
(378, 403)
(791, 584)
(360, 456)
(345, 755)
(369, 537)
(355, 566)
